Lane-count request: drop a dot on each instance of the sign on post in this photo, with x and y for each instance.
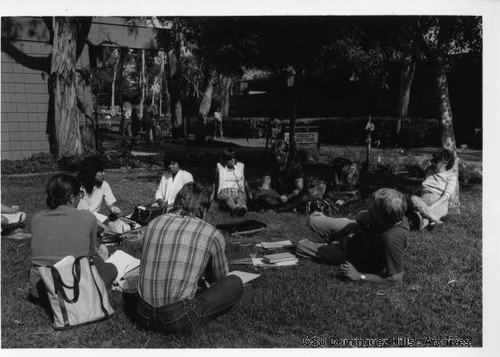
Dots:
(303, 137)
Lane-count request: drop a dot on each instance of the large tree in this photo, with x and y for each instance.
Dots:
(68, 37)
(442, 37)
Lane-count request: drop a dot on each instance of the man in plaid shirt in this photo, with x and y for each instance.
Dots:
(178, 250)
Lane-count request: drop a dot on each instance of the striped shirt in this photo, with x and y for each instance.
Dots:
(443, 183)
(176, 252)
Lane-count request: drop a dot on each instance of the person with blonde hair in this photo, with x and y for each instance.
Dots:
(180, 253)
(369, 247)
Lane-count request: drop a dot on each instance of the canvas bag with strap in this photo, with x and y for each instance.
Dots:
(76, 292)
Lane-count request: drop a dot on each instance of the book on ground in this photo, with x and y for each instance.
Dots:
(277, 245)
(123, 262)
(244, 276)
(259, 262)
(239, 258)
(278, 257)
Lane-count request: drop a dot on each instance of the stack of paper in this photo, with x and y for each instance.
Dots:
(278, 258)
(239, 258)
(277, 245)
(259, 262)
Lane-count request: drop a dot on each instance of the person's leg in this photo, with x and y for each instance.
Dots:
(241, 203)
(421, 206)
(227, 201)
(330, 229)
(107, 271)
(216, 300)
(331, 253)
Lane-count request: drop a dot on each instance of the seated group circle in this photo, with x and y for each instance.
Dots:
(369, 247)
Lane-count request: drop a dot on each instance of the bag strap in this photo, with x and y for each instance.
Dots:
(104, 310)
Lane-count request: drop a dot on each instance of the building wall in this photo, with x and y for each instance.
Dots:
(24, 105)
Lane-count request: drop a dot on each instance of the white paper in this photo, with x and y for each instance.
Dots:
(123, 262)
(277, 245)
(244, 276)
(100, 217)
(258, 262)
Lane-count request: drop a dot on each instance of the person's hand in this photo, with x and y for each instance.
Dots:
(283, 198)
(161, 202)
(103, 252)
(348, 271)
(115, 210)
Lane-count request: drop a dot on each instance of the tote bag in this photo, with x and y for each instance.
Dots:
(76, 292)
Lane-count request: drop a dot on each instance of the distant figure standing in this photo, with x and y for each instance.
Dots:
(218, 123)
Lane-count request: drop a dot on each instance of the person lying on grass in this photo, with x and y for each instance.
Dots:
(11, 215)
(369, 247)
(230, 187)
(64, 230)
(172, 181)
(179, 249)
(436, 190)
(95, 189)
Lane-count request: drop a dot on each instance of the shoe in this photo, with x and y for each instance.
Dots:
(240, 210)
(435, 226)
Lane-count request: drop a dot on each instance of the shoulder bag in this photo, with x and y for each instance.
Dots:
(76, 292)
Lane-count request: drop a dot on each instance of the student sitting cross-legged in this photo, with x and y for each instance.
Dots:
(368, 248)
(63, 230)
(179, 249)
(172, 181)
(95, 189)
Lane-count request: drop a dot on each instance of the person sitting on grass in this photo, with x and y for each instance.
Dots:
(95, 189)
(369, 247)
(283, 185)
(64, 230)
(179, 249)
(436, 190)
(230, 186)
(11, 216)
(172, 181)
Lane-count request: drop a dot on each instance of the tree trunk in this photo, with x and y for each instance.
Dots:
(174, 60)
(88, 130)
(142, 82)
(206, 102)
(293, 122)
(113, 85)
(446, 124)
(62, 77)
(404, 92)
(227, 83)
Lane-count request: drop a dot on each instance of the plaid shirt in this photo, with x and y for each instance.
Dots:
(176, 252)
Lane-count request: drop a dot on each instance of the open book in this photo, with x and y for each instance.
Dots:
(123, 262)
(244, 276)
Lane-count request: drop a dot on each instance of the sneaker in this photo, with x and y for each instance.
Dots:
(435, 226)
(240, 210)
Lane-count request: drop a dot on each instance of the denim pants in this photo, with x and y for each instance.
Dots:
(189, 315)
(329, 245)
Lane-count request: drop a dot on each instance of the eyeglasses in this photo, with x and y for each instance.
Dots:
(173, 163)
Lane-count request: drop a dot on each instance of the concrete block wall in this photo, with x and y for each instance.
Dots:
(24, 105)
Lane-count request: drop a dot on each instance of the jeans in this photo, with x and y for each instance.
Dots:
(189, 315)
(329, 245)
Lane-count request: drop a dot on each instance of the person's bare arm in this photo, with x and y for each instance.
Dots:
(350, 272)
(215, 185)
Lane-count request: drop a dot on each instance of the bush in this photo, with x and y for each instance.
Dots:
(468, 174)
(41, 162)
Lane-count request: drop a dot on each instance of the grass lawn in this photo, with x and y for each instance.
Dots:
(440, 298)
